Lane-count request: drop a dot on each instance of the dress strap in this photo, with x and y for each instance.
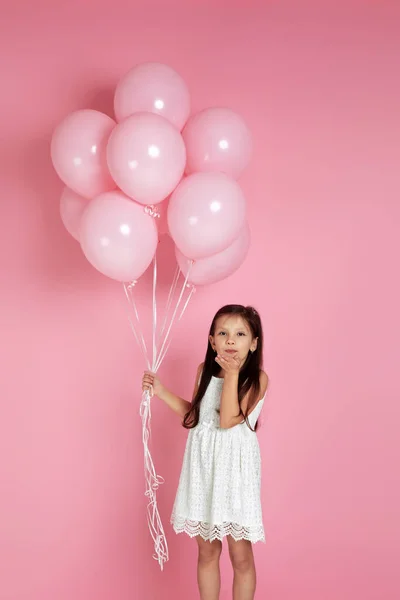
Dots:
(255, 413)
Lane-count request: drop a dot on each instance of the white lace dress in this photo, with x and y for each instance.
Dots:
(220, 482)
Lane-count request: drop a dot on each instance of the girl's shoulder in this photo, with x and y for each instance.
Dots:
(263, 383)
(199, 371)
(198, 375)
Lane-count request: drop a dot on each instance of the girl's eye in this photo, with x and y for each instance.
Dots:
(221, 333)
(241, 333)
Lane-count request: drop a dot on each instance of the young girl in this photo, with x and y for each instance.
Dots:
(219, 489)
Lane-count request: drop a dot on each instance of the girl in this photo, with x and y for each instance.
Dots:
(219, 487)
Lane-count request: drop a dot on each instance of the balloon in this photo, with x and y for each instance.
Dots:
(78, 152)
(117, 236)
(219, 266)
(217, 139)
(156, 88)
(205, 214)
(146, 157)
(71, 209)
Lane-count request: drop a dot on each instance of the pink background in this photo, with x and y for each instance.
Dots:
(318, 85)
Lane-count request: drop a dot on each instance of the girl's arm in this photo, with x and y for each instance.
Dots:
(230, 414)
(175, 403)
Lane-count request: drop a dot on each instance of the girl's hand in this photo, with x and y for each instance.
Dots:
(230, 364)
(152, 383)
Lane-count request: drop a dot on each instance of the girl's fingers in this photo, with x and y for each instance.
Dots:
(149, 390)
(225, 360)
(148, 382)
(227, 363)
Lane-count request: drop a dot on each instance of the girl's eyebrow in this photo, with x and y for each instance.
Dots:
(239, 329)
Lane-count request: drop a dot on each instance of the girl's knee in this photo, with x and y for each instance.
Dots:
(241, 555)
(209, 551)
(242, 562)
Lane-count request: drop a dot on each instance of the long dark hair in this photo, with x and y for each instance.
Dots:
(249, 376)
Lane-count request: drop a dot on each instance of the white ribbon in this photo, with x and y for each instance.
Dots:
(152, 480)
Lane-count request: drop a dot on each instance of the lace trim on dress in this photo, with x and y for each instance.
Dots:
(211, 532)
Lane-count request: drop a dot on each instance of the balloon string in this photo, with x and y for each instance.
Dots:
(163, 354)
(152, 480)
(138, 334)
(132, 302)
(154, 311)
(169, 301)
(174, 314)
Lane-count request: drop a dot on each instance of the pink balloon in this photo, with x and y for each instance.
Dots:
(219, 266)
(146, 157)
(206, 213)
(117, 236)
(71, 209)
(217, 139)
(156, 88)
(78, 152)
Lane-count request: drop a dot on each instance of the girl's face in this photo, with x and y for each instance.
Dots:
(233, 337)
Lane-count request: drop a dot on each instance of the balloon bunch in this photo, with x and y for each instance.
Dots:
(118, 172)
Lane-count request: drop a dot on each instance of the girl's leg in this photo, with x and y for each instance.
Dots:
(244, 572)
(208, 575)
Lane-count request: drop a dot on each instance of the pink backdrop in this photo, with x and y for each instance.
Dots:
(319, 88)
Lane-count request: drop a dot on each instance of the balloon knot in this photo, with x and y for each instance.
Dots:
(152, 210)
